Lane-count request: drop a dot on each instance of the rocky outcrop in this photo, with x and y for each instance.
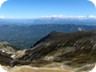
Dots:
(7, 48)
(5, 59)
(18, 54)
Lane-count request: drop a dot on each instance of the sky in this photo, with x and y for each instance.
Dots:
(37, 8)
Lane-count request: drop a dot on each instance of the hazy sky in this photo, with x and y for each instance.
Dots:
(37, 8)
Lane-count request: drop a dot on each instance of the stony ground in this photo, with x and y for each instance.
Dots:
(26, 68)
(35, 69)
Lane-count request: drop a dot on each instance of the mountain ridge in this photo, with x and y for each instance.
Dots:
(65, 45)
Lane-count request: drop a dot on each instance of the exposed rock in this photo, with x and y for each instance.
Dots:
(7, 48)
(35, 69)
(5, 59)
(18, 54)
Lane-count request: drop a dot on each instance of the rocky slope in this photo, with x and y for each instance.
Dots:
(68, 51)
(75, 50)
(7, 48)
(5, 59)
(64, 46)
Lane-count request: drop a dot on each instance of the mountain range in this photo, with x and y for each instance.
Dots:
(25, 36)
(23, 33)
(86, 20)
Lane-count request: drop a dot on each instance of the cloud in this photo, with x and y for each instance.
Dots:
(2, 17)
(64, 17)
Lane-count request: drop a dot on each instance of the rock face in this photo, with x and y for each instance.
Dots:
(5, 59)
(7, 48)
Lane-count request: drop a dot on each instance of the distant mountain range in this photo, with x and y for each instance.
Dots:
(26, 36)
(52, 20)
(23, 33)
